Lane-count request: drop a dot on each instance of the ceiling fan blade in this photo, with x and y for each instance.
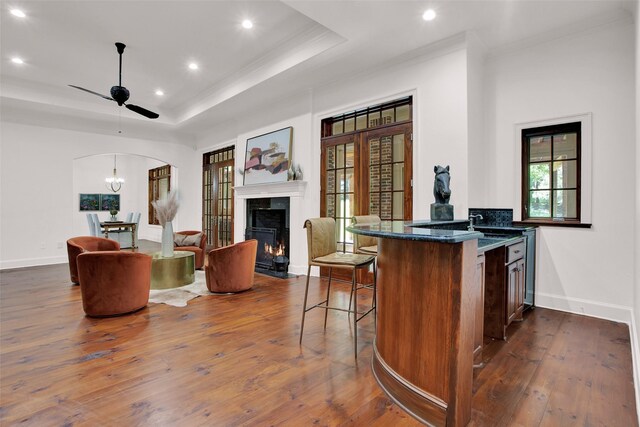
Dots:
(144, 112)
(95, 93)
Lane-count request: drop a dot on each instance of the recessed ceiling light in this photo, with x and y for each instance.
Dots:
(429, 15)
(193, 66)
(247, 24)
(159, 92)
(17, 60)
(18, 13)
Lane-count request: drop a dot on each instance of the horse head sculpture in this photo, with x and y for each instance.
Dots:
(441, 190)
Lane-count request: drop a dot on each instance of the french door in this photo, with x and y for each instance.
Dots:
(217, 177)
(366, 173)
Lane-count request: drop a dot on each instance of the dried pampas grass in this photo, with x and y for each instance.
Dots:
(166, 209)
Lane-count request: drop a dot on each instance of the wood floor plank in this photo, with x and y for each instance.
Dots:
(235, 360)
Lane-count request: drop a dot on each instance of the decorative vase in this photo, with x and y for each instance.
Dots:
(114, 218)
(167, 240)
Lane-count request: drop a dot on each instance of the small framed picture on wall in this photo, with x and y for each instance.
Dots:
(89, 202)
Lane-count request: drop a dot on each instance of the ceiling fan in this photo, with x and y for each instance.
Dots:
(120, 94)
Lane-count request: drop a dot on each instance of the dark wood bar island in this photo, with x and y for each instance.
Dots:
(423, 348)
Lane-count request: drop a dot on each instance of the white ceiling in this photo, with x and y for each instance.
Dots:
(294, 45)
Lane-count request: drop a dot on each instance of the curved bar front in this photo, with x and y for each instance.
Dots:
(423, 349)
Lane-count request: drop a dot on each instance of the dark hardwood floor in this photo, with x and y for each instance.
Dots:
(235, 360)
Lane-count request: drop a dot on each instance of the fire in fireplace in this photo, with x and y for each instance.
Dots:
(279, 261)
(268, 222)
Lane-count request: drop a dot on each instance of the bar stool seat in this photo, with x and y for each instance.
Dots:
(322, 251)
(369, 250)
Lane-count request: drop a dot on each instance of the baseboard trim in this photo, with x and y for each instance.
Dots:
(613, 312)
(33, 262)
(635, 358)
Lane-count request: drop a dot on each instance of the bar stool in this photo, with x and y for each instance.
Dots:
(365, 245)
(322, 250)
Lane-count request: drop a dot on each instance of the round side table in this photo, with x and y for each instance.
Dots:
(167, 273)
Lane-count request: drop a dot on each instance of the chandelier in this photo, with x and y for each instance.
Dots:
(114, 183)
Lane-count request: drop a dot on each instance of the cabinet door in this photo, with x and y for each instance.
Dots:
(512, 293)
(478, 315)
(520, 288)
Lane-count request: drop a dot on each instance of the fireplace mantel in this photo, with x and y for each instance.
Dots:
(271, 189)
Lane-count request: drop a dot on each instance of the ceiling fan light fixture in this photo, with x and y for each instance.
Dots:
(119, 93)
(247, 24)
(18, 13)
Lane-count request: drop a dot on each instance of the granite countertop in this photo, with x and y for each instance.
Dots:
(443, 232)
(409, 231)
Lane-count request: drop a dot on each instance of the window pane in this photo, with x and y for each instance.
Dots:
(349, 203)
(386, 181)
(565, 146)
(387, 116)
(374, 204)
(374, 151)
(361, 122)
(398, 176)
(402, 113)
(340, 180)
(349, 161)
(331, 157)
(374, 179)
(398, 205)
(337, 128)
(340, 156)
(331, 181)
(341, 206)
(565, 174)
(386, 155)
(539, 176)
(340, 230)
(565, 204)
(539, 148)
(539, 204)
(398, 147)
(349, 125)
(349, 184)
(348, 248)
(331, 206)
(374, 119)
(385, 205)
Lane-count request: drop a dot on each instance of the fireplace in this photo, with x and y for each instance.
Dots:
(268, 223)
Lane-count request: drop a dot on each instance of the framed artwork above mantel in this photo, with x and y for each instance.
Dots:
(268, 157)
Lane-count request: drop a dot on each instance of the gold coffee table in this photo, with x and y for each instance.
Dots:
(167, 273)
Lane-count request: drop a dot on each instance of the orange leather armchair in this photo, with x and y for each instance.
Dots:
(78, 245)
(230, 269)
(114, 282)
(199, 250)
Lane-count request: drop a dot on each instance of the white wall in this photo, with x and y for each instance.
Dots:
(88, 177)
(438, 82)
(582, 270)
(37, 181)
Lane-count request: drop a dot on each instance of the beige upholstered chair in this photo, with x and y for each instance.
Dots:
(365, 244)
(322, 250)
